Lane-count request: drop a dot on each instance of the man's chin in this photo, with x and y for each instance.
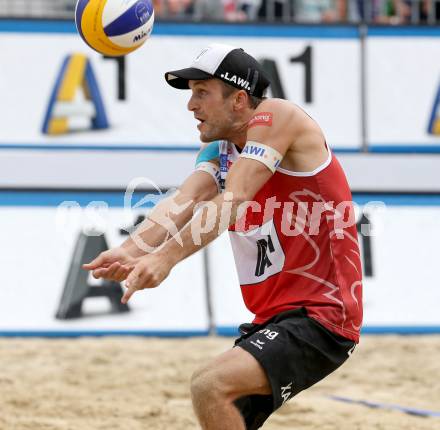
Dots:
(205, 138)
(210, 137)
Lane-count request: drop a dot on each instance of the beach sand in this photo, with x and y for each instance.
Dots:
(143, 383)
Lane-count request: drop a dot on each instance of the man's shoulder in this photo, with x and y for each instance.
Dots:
(276, 104)
(286, 116)
(280, 108)
(277, 114)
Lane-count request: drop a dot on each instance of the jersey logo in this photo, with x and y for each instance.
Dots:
(286, 392)
(258, 253)
(263, 261)
(262, 118)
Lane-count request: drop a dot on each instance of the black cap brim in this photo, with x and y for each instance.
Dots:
(179, 78)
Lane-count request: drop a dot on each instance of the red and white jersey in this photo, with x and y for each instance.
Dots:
(297, 247)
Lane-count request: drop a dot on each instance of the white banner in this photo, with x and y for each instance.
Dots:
(400, 286)
(402, 84)
(403, 288)
(38, 245)
(321, 75)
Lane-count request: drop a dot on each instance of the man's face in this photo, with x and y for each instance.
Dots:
(214, 112)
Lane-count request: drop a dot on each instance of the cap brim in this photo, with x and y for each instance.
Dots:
(180, 78)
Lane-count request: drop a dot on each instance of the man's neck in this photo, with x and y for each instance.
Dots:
(239, 135)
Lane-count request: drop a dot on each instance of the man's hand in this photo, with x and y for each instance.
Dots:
(149, 272)
(115, 264)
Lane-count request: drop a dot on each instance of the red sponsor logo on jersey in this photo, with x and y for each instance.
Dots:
(262, 118)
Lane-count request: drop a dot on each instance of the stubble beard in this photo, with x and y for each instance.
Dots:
(211, 134)
(219, 131)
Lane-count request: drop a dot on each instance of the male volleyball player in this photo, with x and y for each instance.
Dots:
(268, 175)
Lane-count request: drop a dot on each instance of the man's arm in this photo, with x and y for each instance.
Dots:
(244, 180)
(166, 219)
(170, 215)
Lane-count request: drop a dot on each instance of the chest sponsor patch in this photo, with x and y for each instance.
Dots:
(262, 118)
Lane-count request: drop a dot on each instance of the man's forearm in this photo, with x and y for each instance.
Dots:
(204, 227)
(165, 220)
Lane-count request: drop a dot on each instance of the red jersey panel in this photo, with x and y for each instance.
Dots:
(297, 247)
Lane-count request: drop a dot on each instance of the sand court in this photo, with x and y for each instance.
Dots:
(143, 383)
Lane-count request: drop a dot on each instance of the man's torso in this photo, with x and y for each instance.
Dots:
(295, 249)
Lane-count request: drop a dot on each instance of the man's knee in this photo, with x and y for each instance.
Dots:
(207, 384)
(231, 375)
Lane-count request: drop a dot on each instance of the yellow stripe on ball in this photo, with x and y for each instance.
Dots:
(93, 31)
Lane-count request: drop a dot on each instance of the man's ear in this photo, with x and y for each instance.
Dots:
(241, 100)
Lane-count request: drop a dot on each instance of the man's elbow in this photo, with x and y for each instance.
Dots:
(238, 197)
(204, 194)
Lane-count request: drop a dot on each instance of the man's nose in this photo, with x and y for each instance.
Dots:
(192, 106)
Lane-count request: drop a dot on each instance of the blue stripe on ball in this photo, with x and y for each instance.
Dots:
(131, 19)
(81, 5)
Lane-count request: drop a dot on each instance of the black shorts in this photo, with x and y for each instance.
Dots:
(296, 352)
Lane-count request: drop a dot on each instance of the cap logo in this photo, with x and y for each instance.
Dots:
(243, 83)
(203, 52)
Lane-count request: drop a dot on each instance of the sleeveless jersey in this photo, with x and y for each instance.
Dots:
(297, 246)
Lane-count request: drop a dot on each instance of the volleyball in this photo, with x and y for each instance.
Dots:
(114, 27)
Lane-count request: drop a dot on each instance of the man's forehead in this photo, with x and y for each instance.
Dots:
(202, 82)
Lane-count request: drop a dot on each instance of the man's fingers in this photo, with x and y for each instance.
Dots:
(133, 277)
(122, 273)
(104, 272)
(99, 261)
(116, 272)
(112, 270)
(100, 273)
(131, 281)
(139, 279)
(131, 285)
(127, 295)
